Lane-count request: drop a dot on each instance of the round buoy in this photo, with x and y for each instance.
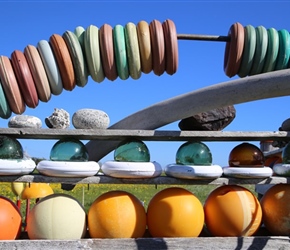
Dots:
(232, 210)
(116, 214)
(10, 220)
(175, 212)
(57, 216)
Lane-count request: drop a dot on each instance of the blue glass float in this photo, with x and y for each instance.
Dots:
(132, 150)
(69, 150)
(10, 148)
(193, 153)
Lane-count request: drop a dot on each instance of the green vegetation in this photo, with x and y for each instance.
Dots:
(86, 194)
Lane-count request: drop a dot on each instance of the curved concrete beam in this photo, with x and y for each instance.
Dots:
(263, 86)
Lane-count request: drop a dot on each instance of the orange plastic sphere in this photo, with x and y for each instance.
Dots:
(246, 155)
(10, 220)
(276, 209)
(175, 212)
(232, 210)
(116, 214)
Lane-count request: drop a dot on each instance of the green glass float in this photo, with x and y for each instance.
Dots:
(193, 153)
(132, 150)
(69, 150)
(286, 154)
(10, 148)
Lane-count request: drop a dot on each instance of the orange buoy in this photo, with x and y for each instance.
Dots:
(10, 220)
(116, 214)
(276, 209)
(232, 210)
(175, 212)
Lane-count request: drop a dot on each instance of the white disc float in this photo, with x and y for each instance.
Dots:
(16, 166)
(193, 172)
(282, 169)
(68, 168)
(248, 172)
(120, 169)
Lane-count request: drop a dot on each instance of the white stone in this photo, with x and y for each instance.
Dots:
(90, 119)
(24, 121)
(60, 119)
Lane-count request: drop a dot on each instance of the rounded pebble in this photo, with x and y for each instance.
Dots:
(90, 119)
(24, 121)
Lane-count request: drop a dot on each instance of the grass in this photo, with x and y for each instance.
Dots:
(86, 194)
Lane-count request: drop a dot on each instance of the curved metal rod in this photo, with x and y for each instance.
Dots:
(263, 86)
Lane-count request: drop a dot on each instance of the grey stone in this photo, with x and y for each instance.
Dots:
(90, 119)
(24, 121)
(213, 120)
(59, 119)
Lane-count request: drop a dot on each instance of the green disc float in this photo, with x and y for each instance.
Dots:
(120, 52)
(261, 50)
(272, 51)
(249, 51)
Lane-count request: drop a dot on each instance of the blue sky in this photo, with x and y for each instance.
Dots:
(200, 62)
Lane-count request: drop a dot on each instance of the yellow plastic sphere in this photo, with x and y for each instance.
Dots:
(57, 216)
(175, 212)
(36, 190)
(10, 220)
(276, 209)
(232, 210)
(18, 187)
(116, 214)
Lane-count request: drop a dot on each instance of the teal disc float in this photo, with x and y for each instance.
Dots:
(120, 52)
(272, 51)
(249, 51)
(284, 50)
(5, 111)
(261, 50)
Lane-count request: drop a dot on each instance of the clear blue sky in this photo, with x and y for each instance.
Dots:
(200, 62)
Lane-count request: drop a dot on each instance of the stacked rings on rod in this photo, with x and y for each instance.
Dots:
(66, 61)
(256, 50)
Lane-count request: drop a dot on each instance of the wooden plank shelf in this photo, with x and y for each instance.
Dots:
(146, 135)
(213, 243)
(161, 180)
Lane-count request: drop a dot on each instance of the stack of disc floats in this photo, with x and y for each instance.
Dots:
(253, 51)
(66, 61)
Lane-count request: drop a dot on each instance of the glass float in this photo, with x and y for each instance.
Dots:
(132, 160)
(68, 158)
(69, 150)
(193, 161)
(12, 160)
(246, 155)
(10, 148)
(246, 160)
(132, 150)
(193, 153)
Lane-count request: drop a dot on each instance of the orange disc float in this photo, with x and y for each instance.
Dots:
(175, 212)
(116, 214)
(232, 210)
(10, 220)
(276, 209)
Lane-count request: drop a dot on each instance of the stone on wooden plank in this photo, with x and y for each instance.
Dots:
(213, 120)
(24, 121)
(59, 119)
(90, 119)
